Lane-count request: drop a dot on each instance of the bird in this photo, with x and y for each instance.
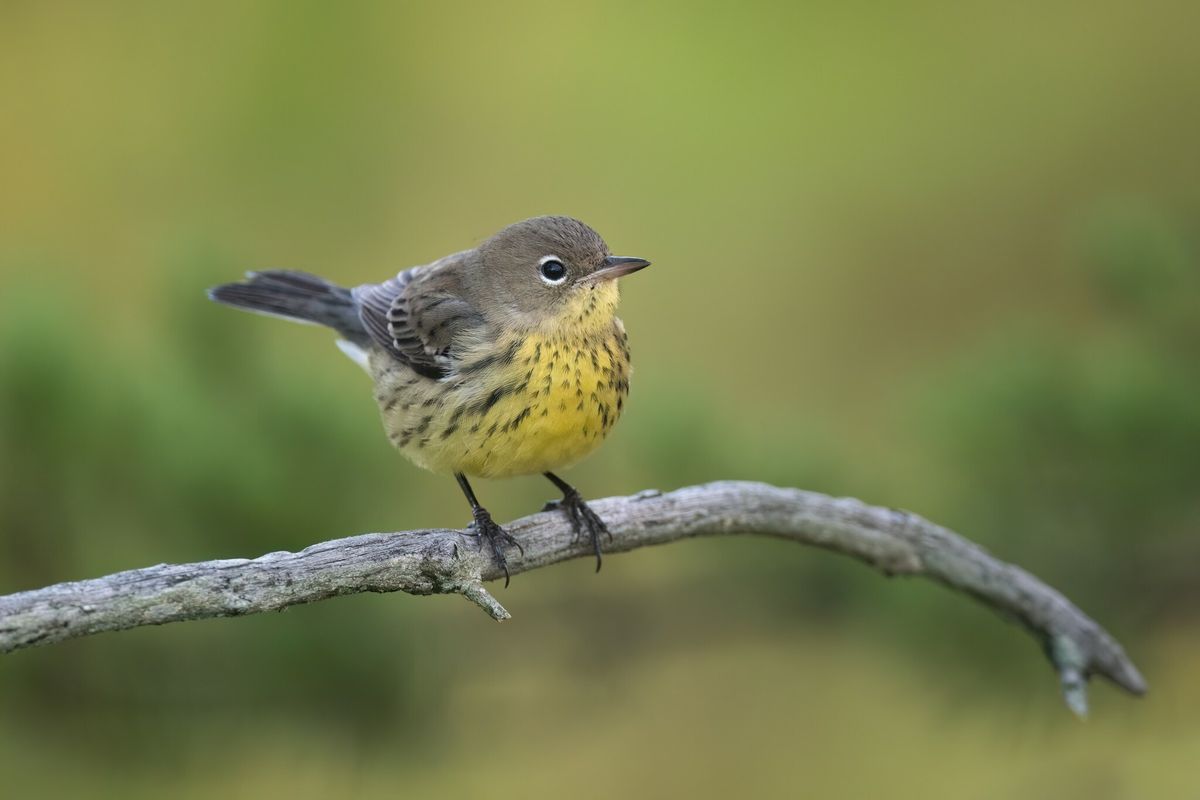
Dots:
(500, 361)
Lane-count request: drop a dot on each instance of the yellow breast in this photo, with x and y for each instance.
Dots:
(541, 403)
(567, 399)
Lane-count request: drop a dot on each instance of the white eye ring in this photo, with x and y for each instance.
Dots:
(552, 270)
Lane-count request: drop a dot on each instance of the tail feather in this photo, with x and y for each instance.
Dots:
(296, 296)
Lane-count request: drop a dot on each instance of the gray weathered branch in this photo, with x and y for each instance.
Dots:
(448, 561)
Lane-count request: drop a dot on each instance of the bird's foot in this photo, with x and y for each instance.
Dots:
(584, 521)
(486, 528)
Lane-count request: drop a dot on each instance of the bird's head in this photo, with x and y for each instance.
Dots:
(549, 271)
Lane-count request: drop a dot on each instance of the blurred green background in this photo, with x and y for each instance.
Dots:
(941, 256)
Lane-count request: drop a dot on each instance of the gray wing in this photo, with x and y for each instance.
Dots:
(417, 316)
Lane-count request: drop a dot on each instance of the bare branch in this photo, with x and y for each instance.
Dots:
(440, 561)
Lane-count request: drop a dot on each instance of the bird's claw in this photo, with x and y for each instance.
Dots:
(487, 528)
(584, 521)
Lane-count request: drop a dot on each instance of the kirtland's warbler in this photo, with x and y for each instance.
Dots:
(503, 360)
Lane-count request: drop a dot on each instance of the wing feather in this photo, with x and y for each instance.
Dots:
(417, 316)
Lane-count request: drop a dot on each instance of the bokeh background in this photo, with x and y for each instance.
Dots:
(940, 256)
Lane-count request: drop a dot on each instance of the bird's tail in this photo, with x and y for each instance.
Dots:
(297, 296)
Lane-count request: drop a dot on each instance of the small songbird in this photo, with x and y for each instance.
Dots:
(504, 360)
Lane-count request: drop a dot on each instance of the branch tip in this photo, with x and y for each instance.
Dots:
(481, 597)
(1071, 663)
(1074, 689)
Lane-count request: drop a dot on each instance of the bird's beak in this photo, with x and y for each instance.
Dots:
(615, 267)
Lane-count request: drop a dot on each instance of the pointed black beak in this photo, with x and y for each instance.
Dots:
(617, 266)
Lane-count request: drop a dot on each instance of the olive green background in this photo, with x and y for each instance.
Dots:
(939, 256)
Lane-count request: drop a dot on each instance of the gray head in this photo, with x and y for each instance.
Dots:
(540, 268)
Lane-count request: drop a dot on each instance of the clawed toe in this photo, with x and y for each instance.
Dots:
(487, 529)
(584, 521)
(593, 522)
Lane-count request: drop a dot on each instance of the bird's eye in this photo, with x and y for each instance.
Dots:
(553, 271)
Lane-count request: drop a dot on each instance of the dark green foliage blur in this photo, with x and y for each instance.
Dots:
(938, 257)
(1084, 455)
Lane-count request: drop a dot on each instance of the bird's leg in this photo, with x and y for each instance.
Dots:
(583, 519)
(487, 528)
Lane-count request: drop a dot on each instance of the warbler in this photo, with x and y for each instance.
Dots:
(504, 360)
